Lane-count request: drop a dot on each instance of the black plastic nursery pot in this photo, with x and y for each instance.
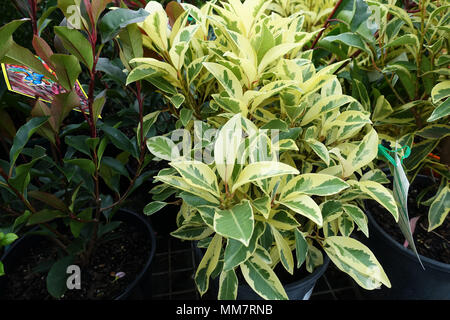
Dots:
(298, 290)
(139, 288)
(408, 279)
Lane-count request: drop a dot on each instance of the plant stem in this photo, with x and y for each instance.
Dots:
(388, 81)
(93, 240)
(33, 15)
(419, 50)
(325, 25)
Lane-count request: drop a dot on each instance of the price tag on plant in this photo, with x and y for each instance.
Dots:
(23, 80)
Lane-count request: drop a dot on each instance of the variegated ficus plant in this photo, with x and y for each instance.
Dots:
(400, 74)
(315, 12)
(274, 158)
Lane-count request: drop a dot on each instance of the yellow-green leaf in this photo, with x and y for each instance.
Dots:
(354, 258)
(262, 170)
(208, 264)
(198, 175)
(262, 279)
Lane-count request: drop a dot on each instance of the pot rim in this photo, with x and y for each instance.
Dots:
(141, 274)
(309, 279)
(145, 269)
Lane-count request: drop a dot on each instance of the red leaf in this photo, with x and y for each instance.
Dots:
(412, 224)
(173, 10)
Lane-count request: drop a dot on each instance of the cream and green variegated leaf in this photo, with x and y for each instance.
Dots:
(331, 210)
(320, 149)
(262, 279)
(153, 207)
(208, 264)
(275, 53)
(226, 78)
(228, 285)
(407, 39)
(325, 105)
(331, 88)
(350, 123)
(194, 69)
(440, 91)
(250, 12)
(313, 184)
(260, 148)
(162, 147)
(169, 72)
(262, 205)
(375, 175)
(439, 209)
(177, 100)
(314, 258)
(181, 44)
(382, 109)
(268, 91)
(226, 147)
(346, 225)
(363, 153)
(284, 251)
(358, 216)
(331, 228)
(442, 110)
(207, 213)
(262, 170)
(283, 220)
(262, 41)
(354, 258)
(380, 194)
(286, 144)
(304, 205)
(236, 223)
(198, 175)
(236, 252)
(180, 183)
(301, 247)
(192, 232)
(143, 72)
(148, 122)
(178, 25)
(315, 83)
(262, 253)
(155, 25)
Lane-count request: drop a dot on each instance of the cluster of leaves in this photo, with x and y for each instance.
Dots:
(400, 73)
(5, 240)
(315, 12)
(241, 69)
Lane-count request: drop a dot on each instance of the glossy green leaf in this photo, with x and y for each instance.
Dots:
(57, 276)
(23, 135)
(76, 44)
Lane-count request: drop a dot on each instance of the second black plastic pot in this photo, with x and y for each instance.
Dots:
(140, 288)
(408, 279)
